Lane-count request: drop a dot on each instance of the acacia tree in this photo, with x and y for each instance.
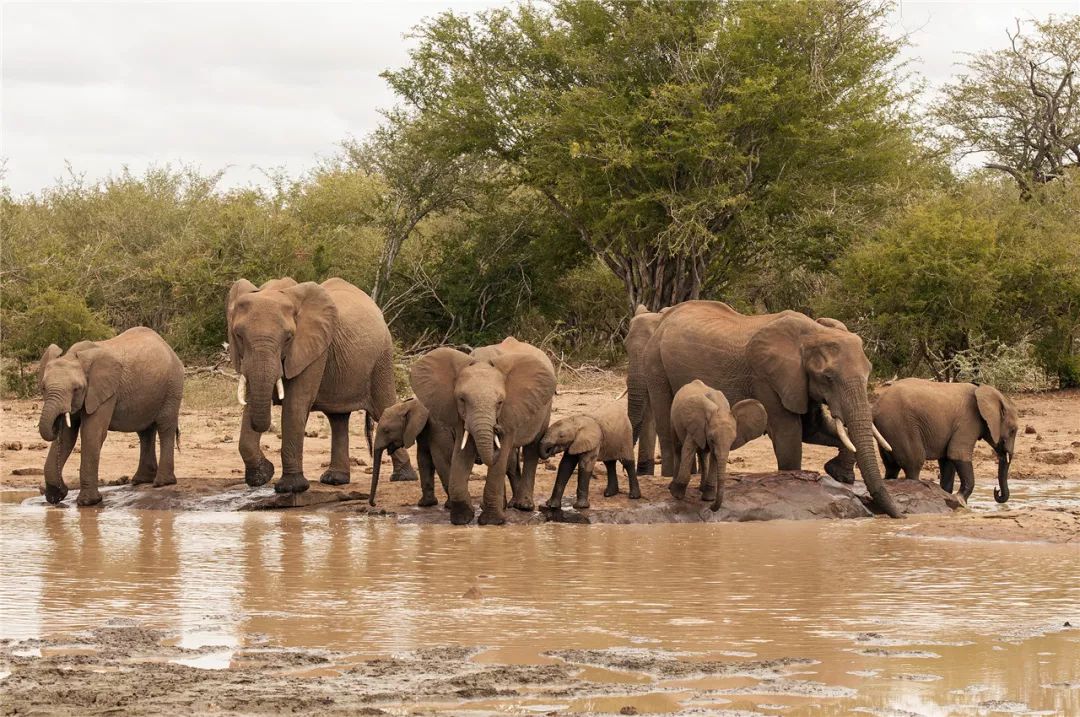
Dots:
(651, 127)
(1020, 105)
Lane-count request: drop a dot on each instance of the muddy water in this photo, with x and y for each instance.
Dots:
(882, 622)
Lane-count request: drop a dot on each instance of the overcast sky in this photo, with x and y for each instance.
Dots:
(254, 84)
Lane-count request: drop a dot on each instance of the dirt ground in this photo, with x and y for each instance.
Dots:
(1047, 449)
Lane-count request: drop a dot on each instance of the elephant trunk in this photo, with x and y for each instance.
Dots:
(859, 423)
(1001, 493)
(636, 398)
(719, 471)
(483, 435)
(376, 466)
(56, 404)
(261, 373)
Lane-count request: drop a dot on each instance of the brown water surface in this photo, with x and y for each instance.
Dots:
(884, 622)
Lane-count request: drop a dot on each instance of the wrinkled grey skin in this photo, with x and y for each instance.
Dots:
(638, 408)
(787, 361)
(926, 420)
(404, 424)
(130, 383)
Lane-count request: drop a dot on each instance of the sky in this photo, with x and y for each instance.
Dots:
(250, 86)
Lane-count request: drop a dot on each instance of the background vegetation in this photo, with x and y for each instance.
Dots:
(549, 167)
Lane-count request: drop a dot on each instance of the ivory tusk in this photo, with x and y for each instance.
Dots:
(241, 391)
(1008, 456)
(624, 392)
(844, 438)
(67, 419)
(498, 446)
(464, 439)
(881, 439)
(280, 390)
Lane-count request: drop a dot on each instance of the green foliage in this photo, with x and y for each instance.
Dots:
(52, 317)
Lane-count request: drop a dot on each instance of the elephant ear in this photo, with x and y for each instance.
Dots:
(832, 323)
(433, 378)
(103, 371)
(239, 288)
(530, 386)
(992, 409)
(775, 354)
(52, 353)
(750, 421)
(641, 309)
(316, 321)
(587, 438)
(418, 418)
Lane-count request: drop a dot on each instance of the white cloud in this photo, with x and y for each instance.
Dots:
(258, 84)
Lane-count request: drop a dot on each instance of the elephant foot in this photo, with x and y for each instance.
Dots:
(837, 469)
(491, 518)
(646, 468)
(55, 493)
(554, 503)
(677, 490)
(460, 513)
(332, 477)
(426, 501)
(610, 491)
(635, 492)
(88, 496)
(259, 474)
(405, 473)
(142, 478)
(524, 505)
(581, 504)
(291, 483)
(708, 494)
(163, 480)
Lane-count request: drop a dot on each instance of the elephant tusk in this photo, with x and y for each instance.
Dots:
(280, 390)
(67, 419)
(498, 445)
(241, 390)
(465, 439)
(1008, 457)
(881, 439)
(844, 438)
(624, 392)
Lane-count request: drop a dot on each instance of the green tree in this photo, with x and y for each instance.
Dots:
(667, 135)
(1021, 105)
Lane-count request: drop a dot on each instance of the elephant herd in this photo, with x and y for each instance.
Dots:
(703, 379)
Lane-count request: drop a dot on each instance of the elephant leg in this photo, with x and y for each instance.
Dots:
(699, 465)
(967, 477)
(530, 455)
(785, 430)
(147, 457)
(440, 458)
(842, 466)
(947, 474)
(59, 451)
(631, 475)
(403, 470)
(493, 510)
(93, 431)
(166, 472)
(892, 467)
(513, 475)
(612, 479)
(585, 472)
(678, 484)
(426, 465)
(257, 469)
(294, 415)
(708, 476)
(459, 502)
(566, 468)
(660, 397)
(646, 461)
(339, 470)
(912, 470)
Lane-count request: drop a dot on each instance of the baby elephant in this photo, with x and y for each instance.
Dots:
(132, 383)
(924, 420)
(603, 435)
(402, 425)
(705, 426)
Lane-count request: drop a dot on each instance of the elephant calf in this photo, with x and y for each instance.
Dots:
(132, 383)
(604, 435)
(705, 426)
(924, 420)
(402, 425)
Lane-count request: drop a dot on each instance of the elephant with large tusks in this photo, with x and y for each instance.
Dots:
(790, 363)
(924, 420)
(132, 382)
(308, 347)
(495, 401)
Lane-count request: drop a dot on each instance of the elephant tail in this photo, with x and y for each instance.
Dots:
(178, 439)
(369, 431)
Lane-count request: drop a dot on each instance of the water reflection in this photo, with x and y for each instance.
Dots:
(920, 623)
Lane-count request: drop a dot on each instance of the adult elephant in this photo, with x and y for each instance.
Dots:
(642, 327)
(494, 401)
(792, 364)
(310, 347)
